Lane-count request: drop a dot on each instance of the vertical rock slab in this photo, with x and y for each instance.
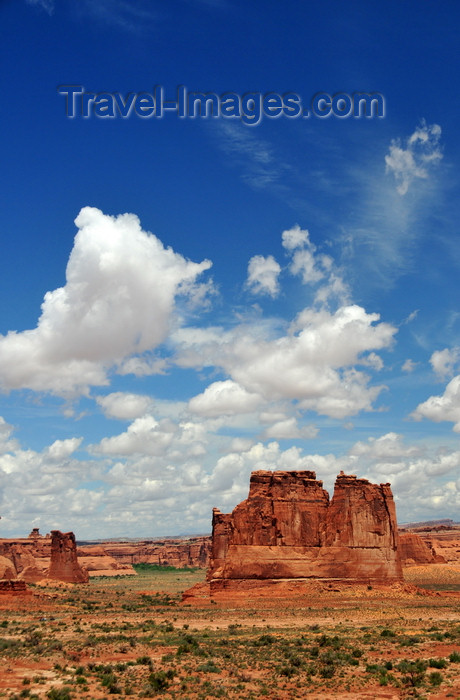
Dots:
(362, 533)
(64, 564)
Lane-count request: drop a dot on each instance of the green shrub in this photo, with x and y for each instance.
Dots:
(264, 640)
(327, 671)
(414, 672)
(209, 667)
(437, 663)
(160, 680)
(59, 694)
(287, 671)
(144, 660)
(188, 645)
(435, 678)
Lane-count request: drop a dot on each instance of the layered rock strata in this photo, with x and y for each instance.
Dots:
(415, 550)
(98, 562)
(64, 564)
(190, 552)
(288, 528)
(36, 558)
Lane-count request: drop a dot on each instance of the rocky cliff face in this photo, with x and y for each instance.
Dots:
(36, 558)
(288, 528)
(97, 562)
(415, 550)
(28, 558)
(179, 553)
(64, 564)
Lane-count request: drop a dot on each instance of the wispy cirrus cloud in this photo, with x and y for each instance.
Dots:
(261, 168)
(47, 5)
(387, 227)
(132, 15)
(421, 152)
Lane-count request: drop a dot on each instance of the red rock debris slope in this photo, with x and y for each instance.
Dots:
(288, 528)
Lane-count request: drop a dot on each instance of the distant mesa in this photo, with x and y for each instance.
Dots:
(288, 528)
(442, 524)
(177, 552)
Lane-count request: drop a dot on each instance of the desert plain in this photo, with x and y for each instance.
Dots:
(135, 636)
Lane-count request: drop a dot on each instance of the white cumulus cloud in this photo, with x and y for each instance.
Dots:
(7, 443)
(145, 436)
(311, 266)
(224, 398)
(288, 429)
(445, 361)
(118, 300)
(123, 405)
(409, 365)
(263, 275)
(445, 407)
(314, 364)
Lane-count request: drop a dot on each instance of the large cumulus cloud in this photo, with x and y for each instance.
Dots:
(119, 296)
(313, 363)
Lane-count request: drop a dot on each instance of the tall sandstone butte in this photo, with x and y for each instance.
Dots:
(288, 528)
(64, 564)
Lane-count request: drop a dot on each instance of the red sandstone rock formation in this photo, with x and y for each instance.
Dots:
(191, 552)
(13, 587)
(36, 558)
(97, 562)
(28, 557)
(288, 528)
(7, 570)
(443, 541)
(64, 564)
(415, 550)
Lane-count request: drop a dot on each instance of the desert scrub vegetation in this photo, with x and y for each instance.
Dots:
(247, 662)
(134, 638)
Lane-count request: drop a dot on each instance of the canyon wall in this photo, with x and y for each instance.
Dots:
(189, 552)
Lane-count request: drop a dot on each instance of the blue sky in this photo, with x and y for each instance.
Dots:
(186, 300)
